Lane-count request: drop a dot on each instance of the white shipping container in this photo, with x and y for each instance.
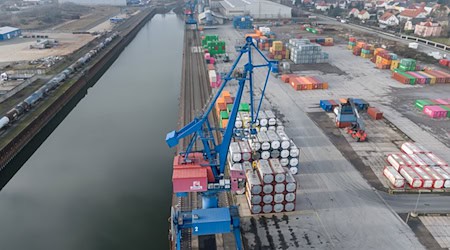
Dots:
(285, 141)
(278, 208)
(255, 145)
(267, 209)
(291, 183)
(289, 197)
(278, 198)
(394, 177)
(262, 118)
(284, 162)
(427, 160)
(293, 162)
(411, 177)
(418, 160)
(278, 171)
(289, 207)
(436, 159)
(274, 154)
(439, 181)
(254, 199)
(245, 150)
(265, 155)
(254, 183)
(293, 170)
(427, 179)
(294, 151)
(212, 75)
(264, 140)
(274, 139)
(265, 171)
(408, 161)
(256, 209)
(444, 175)
(279, 188)
(284, 153)
(396, 161)
(267, 199)
(271, 118)
(267, 189)
(235, 152)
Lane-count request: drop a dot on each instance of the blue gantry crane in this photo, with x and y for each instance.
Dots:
(189, 10)
(211, 219)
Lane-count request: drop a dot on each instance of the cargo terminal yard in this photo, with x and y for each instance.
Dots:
(341, 155)
(342, 194)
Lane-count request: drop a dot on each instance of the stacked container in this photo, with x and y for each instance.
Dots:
(307, 83)
(437, 108)
(302, 51)
(276, 145)
(407, 64)
(419, 167)
(270, 188)
(367, 51)
(208, 38)
(328, 41)
(221, 108)
(278, 51)
(384, 60)
(351, 43)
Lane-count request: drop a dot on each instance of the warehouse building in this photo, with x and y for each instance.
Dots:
(96, 2)
(7, 33)
(258, 9)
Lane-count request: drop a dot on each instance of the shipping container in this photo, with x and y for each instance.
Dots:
(394, 177)
(411, 177)
(265, 171)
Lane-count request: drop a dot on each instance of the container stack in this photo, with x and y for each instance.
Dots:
(270, 188)
(407, 64)
(278, 51)
(307, 83)
(208, 38)
(421, 77)
(221, 108)
(243, 22)
(416, 168)
(302, 51)
(384, 60)
(367, 51)
(351, 43)
(437, 108)
(276, 145)
(216, 47)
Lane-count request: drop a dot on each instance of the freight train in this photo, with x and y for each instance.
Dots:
(32, 100)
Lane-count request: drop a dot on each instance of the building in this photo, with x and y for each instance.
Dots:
(363, 15)
(353, 12)
(258, 9)
(409, 14)
(388, 20)
(323, 6)
(7, 33)
(428, 29)
(410, 25)
(96, 2)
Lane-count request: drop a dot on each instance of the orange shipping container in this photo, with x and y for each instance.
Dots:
(224, 123)
(324, 85)
(252, 35)
(228, 99)
(226, 93)
(343, 100)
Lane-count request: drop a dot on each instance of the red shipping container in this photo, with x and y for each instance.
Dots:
(401, 78)
(375, 113)
(211, 67)
(189, 180)
(343, 124)
(444, 62)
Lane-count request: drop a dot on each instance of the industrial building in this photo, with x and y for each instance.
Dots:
(7, 33)
(97, 2)
(258, 9)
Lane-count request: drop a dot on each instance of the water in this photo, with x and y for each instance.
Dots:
(102, 179)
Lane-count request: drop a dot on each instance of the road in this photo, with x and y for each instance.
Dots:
(428, 203)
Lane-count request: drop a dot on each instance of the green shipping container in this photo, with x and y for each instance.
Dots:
(412, 79)
(229, 108)
(446, 108)
(223, 115)
(244, 107)
(422, 103)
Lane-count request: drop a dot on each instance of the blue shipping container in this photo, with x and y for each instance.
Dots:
(211, 221)
(326, 105)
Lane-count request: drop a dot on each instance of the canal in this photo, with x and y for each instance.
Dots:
(102, 178)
